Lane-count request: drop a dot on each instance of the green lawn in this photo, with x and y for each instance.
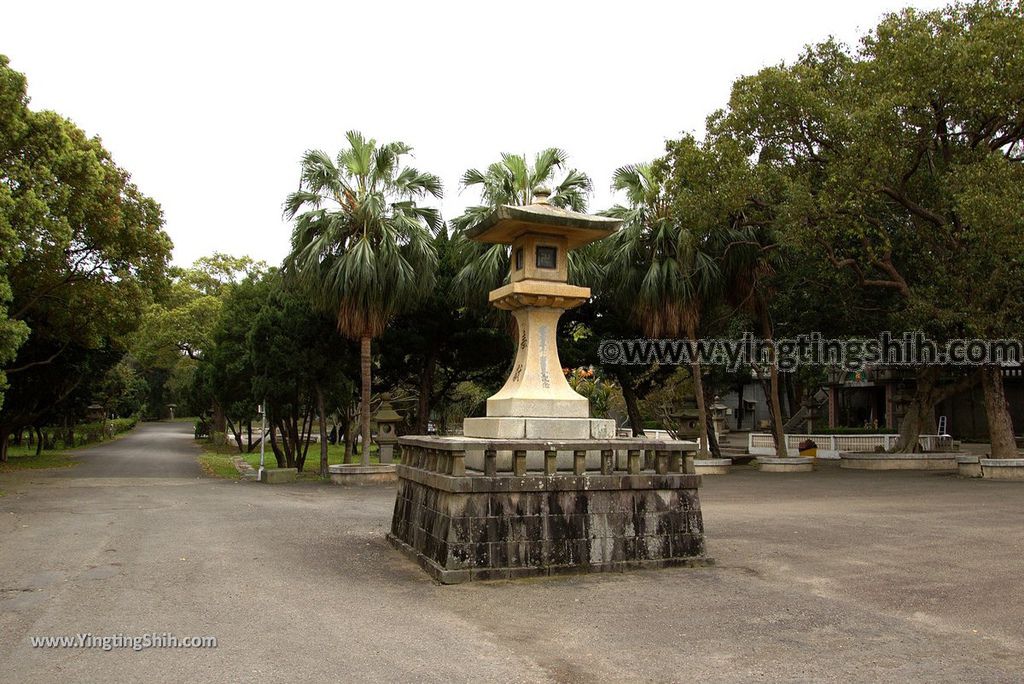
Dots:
(218, 461)
(24, 458)
(335, 455)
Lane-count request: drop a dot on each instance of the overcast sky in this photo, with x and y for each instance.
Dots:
(210, 105)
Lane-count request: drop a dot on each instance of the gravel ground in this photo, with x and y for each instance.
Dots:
(832, 575)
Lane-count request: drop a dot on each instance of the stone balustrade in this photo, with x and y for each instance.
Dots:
(633, 456)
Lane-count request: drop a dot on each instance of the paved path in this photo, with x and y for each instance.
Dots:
(151, 450)
(824, 576)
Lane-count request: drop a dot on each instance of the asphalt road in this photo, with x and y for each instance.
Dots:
(832, 575)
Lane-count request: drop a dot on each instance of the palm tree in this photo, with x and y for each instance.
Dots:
(361, 245)
(511, 181)
(662, 271)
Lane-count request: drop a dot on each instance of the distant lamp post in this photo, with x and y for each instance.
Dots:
(387, 420)
(811, 413)
(262, 410)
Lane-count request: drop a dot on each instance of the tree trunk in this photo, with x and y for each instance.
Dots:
(739, 404)
(236, 433)
(698, 393)
(426, 391)
(713, 446)
(997, 412)
(920, 416)
(307, 426)
(39, 440)
(323, 431)
(346, 435)
(219, 419)
(364, 402)
(278, 456)
(636, 421)
(774, 401)
(4, 438)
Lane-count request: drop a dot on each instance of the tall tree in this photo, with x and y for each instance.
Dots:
(902, 164)
(440, 344)
(361, 245)
(511, 181)
(90, 253)
(663, 269)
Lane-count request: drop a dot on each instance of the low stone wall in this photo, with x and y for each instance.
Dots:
(968, 465)
(1002, 468)
(279, 475)
(360, 475)
(468, 525)
(791, 464)
(883, 461)
(712, 466)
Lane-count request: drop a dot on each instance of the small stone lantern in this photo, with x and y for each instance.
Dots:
(94, 413)
(170, 410)
(387, 420)
(719, 411)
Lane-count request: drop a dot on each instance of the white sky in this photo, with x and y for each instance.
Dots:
(210, 105)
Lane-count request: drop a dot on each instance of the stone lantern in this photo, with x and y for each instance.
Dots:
(536, 401)
(387, 420)
(537, 486)
(719, 412)
(94, 413)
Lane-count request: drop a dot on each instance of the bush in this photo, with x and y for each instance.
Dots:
(856, 431)
(119, 425)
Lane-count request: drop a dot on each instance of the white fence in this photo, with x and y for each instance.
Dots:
(649, 434)
(829, 446)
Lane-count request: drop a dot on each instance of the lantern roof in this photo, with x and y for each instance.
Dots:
(386, 414)
(506, 223)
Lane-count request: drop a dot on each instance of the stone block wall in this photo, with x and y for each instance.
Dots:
(489, 527)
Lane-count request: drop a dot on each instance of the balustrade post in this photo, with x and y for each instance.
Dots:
(661, 462)
(579, 462)
(550, 462)
(633, 461)
(457, 461)
(490, 462)
(519, 462)
(675, 461)
(607, 461)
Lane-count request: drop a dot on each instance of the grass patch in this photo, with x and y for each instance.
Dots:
(218, 465)
(335, 456)
(216, 461)
(24, 458)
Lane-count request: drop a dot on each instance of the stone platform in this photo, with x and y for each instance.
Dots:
(789, 464)
(355, 475)
(1002, 468)
(944, 460)
(640, 510)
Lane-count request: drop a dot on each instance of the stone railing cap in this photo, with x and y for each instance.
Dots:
(481, 443)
